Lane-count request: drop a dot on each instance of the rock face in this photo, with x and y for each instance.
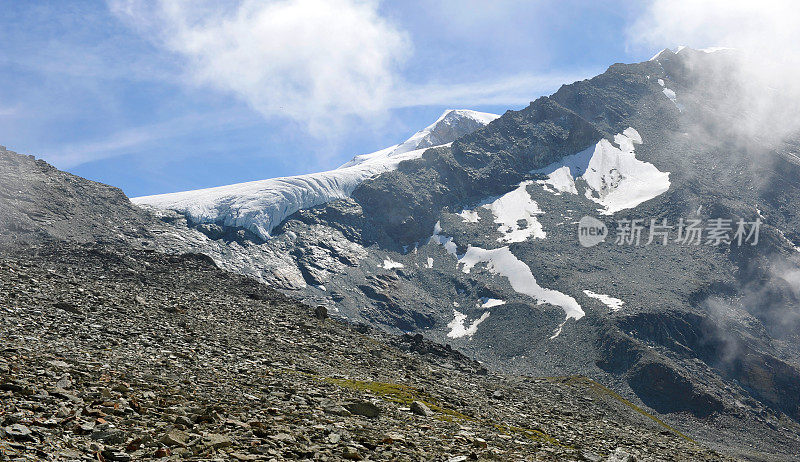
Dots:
(41, 201)
(478, 166)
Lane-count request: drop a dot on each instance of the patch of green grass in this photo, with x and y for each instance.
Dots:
(536, 435)
(405, 395)
(396, 393)
(603, 390)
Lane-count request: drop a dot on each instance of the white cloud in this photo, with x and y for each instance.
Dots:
(315, 61)
(766, 33)
(319, 62)
(136, 139)
(513, 90)
(766, 26)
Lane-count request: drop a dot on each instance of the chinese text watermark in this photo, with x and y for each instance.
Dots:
(654, 231)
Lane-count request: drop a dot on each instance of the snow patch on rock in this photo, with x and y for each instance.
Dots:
(614, 177)
(469, 216)
(614, 303)
(516, 212)
(390, 264)
(684, 47)
(457, 327)
(502, 262)
(560, 181)
(487, 302)
(444, 241)
(672, 97)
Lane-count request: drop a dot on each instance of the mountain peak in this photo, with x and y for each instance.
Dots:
(684, 49)
(259, 206)
(452, 124)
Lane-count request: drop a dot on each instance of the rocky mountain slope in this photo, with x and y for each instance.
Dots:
(40, 201)
(474, 244)
(114, 354)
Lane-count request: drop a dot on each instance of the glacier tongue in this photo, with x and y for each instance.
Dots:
(262, 205)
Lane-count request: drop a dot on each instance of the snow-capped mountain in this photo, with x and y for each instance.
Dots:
(475, 244)
(262, 205)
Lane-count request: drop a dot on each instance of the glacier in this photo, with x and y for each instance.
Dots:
(260, 206)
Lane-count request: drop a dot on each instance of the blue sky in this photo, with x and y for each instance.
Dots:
(157, 98)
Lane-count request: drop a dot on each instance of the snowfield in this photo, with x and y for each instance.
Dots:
(614, 303)
(262, 205)
(515, 207)
(614, 177)
(515, 212)
(449, 126)
(560, 181)
(502, 262)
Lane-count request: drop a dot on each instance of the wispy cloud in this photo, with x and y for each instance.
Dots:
(137, 139)
(8, 111)
(512, 90)
(321, 63)
(286, 59)
(310, 60)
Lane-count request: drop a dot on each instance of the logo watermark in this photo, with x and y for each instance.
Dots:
(654, 231)
(591, 231)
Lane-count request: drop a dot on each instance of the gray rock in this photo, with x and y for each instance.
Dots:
(620, 455)
(352, 454)
(365, 408)
(175, 438)
(320, 312)
(217, 441)
(185, 421)
(282, 438)
(590, 456)
(109, 436)
(116, 456)
(19, 432)
(420, 408)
